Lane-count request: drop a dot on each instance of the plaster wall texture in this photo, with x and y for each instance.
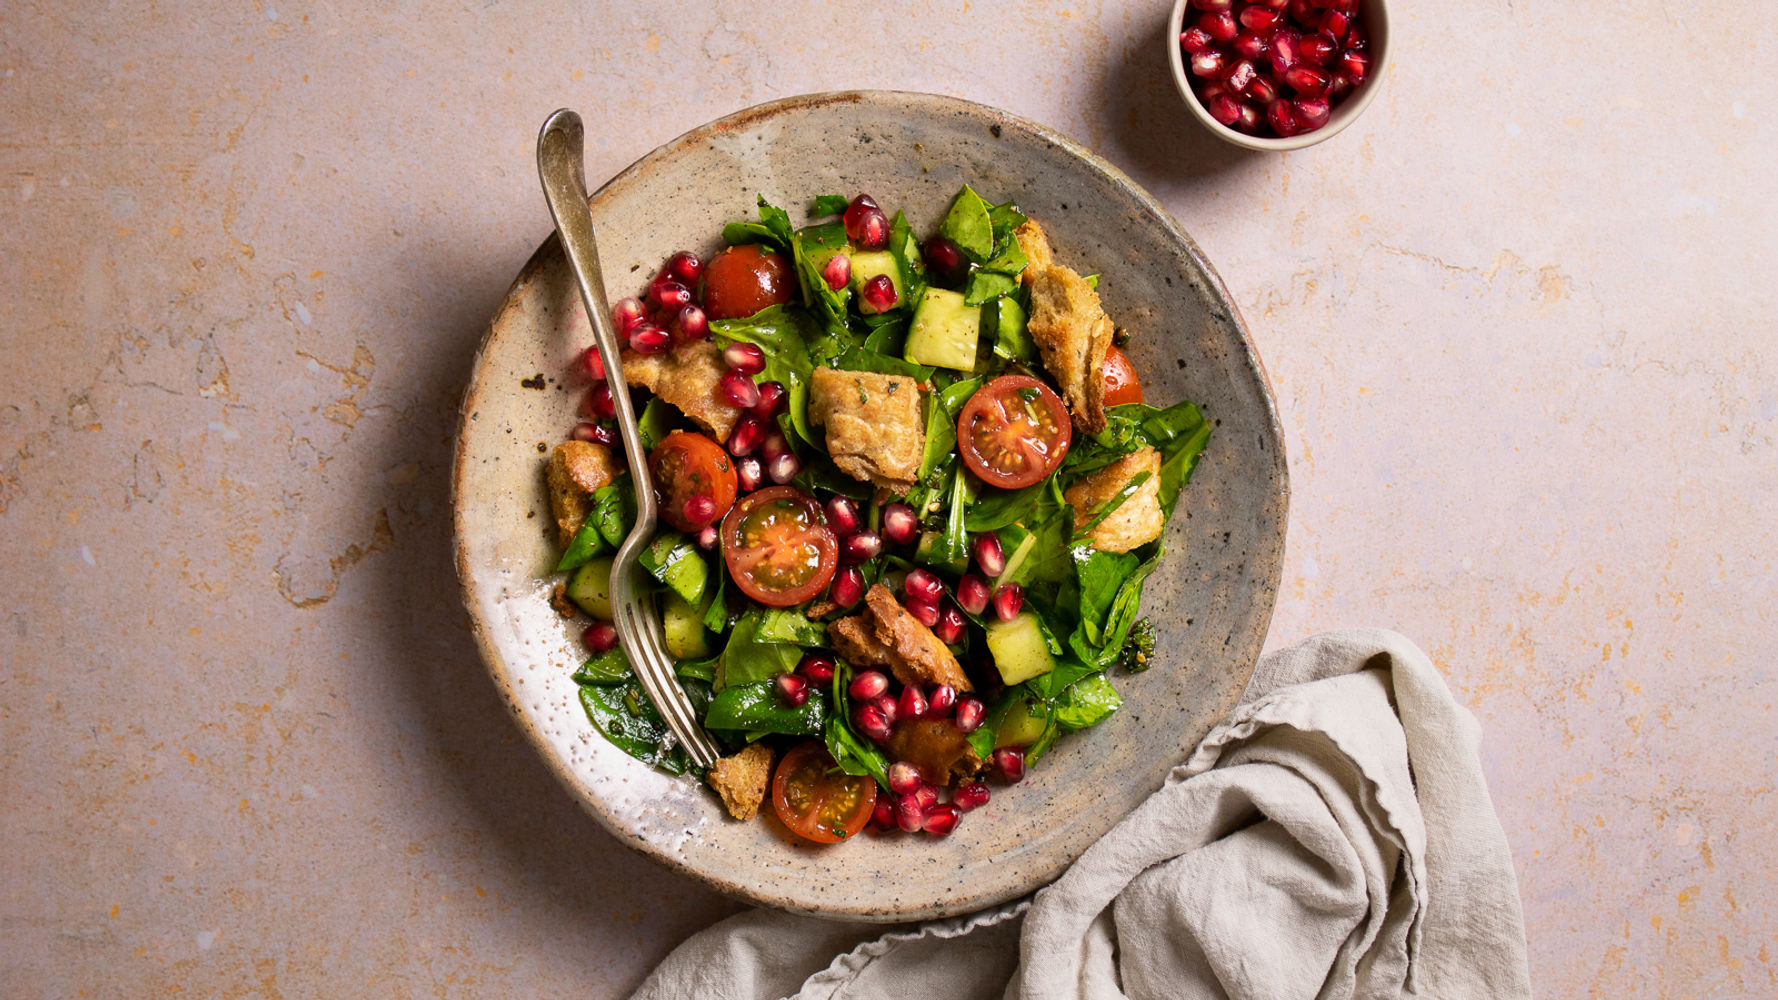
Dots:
(1519, 319)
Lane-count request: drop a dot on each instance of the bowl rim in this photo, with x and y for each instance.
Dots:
(1375, 11)
(541, 257)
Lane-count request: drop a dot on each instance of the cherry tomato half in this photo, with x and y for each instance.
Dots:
(778, 547)
(685, 465)
(1013, 431)
(817, 800)
(742, 280)
(1121, 383)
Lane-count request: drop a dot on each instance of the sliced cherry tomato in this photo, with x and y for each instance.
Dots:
(686, 465)
(817, 800)
(1121, 383)
(742, 280)
(778, 547)
(1013, 431)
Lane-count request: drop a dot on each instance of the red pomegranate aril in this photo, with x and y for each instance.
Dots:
(1285, 50)
(1195, 40)
(911, 704)
(1208, 64)
(944, 262)
(866, 225)
(842, 516)
(774, 444)
(627, 312)
(601, 637)
(1248, 45)
(784, 468)
(686, 268)
(1340, 87)
(1220, 25)
(904, 778)
(869, 720)
(924, 612)
(1302, 12)
(1356, 39)
(794, 688)
(1263, 90)
(745, 358)
(940, 701)
(973, 593)
(708, 536)
(921, 585)
(817, 667)
(908, 815)
(1273, 4)
(749, 471)
(771, 397)
(1353, 66)
(884, 813)
(950, 624)
(1212, 90)
(748, 433)
(599, 402)
(848, 587)
(1259, 19)
(1224, 109)
(1312, 113)
(699, 509)
(900, 524)
(861, 547)
(671, 296)
(593, 363)
(737, 389)
(1306, 80)
(926, 796)
(1334, 23)
(1009, 762)
(1240, 75)
(940, 820)
(1008, 601)
(837, 272)
(970, 713)
(971, 796)
(867, 685)
(990, 558)
(1250, 119)
(1319, 49)
(880, 293)
(1283, 122)
(1213, 5)
(691, 323)
(648, 338)
(889, 706)
(594, 433)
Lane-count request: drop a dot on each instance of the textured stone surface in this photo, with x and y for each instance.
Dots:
(1518, 318)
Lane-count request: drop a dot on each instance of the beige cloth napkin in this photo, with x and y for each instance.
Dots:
(1334, 838)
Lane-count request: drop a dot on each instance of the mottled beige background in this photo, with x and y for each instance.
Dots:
(1519, 320)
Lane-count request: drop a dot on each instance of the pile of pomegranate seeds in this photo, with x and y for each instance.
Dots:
(1274, 68)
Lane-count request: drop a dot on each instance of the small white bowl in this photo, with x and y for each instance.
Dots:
(1373, 14)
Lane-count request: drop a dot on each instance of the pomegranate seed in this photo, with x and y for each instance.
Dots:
(940, 820)
(842, 516)
(971, 796)
(625, 314)
(912, 704)
(950, 624)
(889, 706)
(1240, 75)
(1307, 80)
(1312, 113)
(1353, 65)
(737, 389)
(593, 363)
(1224, 109)
(884, 813)
(1340, 87)
(691, 323)
(970, 712)
(1282, 121)
(838, 271)
(924, 612)
(599, 402)
(1248, 45)
(784, 468)
(848, 587)
(699, 509)
(904, 778)
(1220, 25)
(601, 637)
(880, 293)
(866, 225)
(1193, 40)
(908, 815)
(926, 796)
(745, 358)
(794, 688)
(748, 433)
(749, 471)
(1212, 90)
(1334, 24)
(944, 261)
(1007, 602)
(867, 685)
(595, 433)
(990, 558)
(671, 296)
(1010, 763)
(1286, 50)
(869, 720)
(940, 702)
(973, 593)
(1250, 119)
(685, 267)
(900, 524)
(817, 667)
(1356, 39)
(1319, 49)
(1274, 4)
(1260, 19)
(1302, 12)
(921, 585)
(648, 338)
(1213, 4)
(1207, 63)
(771, 399)
(1263, 90)
(861, 547)
(708, 536)
(774, 444)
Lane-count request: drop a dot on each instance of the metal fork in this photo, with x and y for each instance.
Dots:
(562, 169)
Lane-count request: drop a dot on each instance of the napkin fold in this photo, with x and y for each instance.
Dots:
(1334, 838)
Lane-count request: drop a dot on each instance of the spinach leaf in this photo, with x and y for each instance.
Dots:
(776, 220)
(1100, 575)
(809, 250)
(941, 441)
(906, 251)
(827, 204)
(1180, 432)
(716, 607)
(1004, 218)
(629, 720)
(1121, 618)
(998, 508)
(787, 626)
(756, 708)
(1005, 318)
(854, 755)
(736, 233)
(747, 660)
(656, 422)
(587, 543)
(984, 285)
(1087, 702)
(609, 667)
(968, 225)
(703, 670)
(614, 510)
(863, 359)
(783, 335)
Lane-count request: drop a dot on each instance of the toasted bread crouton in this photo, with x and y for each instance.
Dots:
(1072, 334)
(741, 780)
(1036, 245)
(575, 470)
(1138, 520)
(876, 432)
(886, 635)
(686, 376)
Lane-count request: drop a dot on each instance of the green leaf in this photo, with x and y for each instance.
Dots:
(1100, 575)
(906, 251)
(854, 754)
(716, 610)
(787, 626)
(609, 667)
(776, 220)
(674, 560)
(1112, 503)
(1122, 617)
(628, 719)
(1180, 433)
(998, 508)
(861, 359)
(656, 422)
(703, 670)
(586, 544)
(748, 232)
(829, 303)
(941, 439)
(757, 708)
(827, 204)
(968, 225)
(1005, 217)
(984, 285)
(747, 660)
(1005, 317)
(783, 335)
(614, 510)
(1087, 702)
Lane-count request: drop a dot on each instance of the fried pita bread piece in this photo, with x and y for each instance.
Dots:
(1138, 520)
(1036, 245)
(876, 432)
(741, 780)
(886, 635)
(574, 471)
(1072, 334)
(686, 376)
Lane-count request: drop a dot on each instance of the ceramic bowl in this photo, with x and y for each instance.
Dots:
(1211, 599)
(1374, 14)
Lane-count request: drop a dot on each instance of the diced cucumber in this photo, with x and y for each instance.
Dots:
(590, 588)
(944, 331)
(1019, 650)
(868, 264)
(1023, 725)
(686, 638)
(676, 562)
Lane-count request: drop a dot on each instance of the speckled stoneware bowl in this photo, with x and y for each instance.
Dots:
(1211, 598)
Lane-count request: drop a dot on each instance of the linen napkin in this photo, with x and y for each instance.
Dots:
(1334, 838)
